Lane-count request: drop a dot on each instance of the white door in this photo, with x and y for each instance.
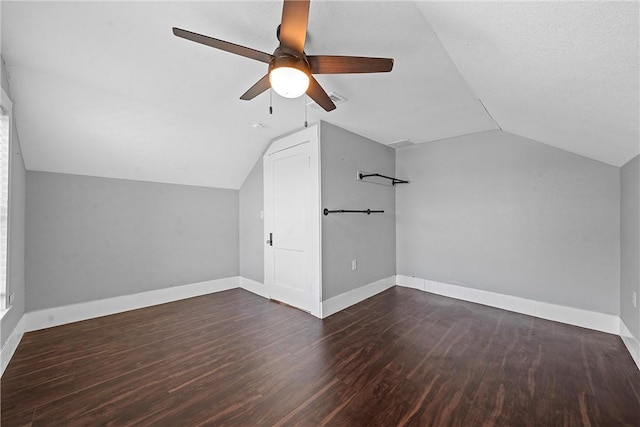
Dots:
(292, 221)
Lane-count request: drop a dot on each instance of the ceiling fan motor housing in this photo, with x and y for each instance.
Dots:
(281, 59)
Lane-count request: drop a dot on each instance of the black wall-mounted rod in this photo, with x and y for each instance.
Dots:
(368, 211)
(394, 181)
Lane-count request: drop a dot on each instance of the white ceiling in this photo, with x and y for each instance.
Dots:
(564, 73)
(105, 89)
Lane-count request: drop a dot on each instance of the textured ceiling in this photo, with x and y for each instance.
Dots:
(563, 73)
(105, 89)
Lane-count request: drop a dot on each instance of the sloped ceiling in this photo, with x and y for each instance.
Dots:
(564, 73)
(105, 89)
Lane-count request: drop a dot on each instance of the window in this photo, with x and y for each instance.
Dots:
(5, 130)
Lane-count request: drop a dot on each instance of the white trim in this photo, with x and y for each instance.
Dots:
(254, 287)
(310, 136)
(573, 316)
(632, 343)
(290, 140)
(410, 282)
(6, 102)
(316, 307)
(11, 345)
(347, 299)
(72, 313)
(50, 317)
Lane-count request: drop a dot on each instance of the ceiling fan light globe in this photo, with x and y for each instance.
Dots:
(289, 82)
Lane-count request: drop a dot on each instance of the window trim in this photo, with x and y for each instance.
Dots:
(7, 104)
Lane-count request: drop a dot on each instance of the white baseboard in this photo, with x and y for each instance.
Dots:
(573, 316)
(254, 287)
(11, 345)
(342, 301)
(72, 313)
(410, 282)
(632, 343)
(50, 317)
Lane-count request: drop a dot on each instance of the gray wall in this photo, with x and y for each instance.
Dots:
(251, 225)
(16, 282)
(369, 239)
(91, 238)
(629, 244)
(506, 214)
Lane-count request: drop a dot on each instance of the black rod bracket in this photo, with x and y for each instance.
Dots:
(394, 181)
(368, 211)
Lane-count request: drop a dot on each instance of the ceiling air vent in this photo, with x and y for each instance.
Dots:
(336, 98)
(400, 144)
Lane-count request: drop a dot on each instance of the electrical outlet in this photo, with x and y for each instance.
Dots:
(354, 265)
(11, 298)
(634, 299)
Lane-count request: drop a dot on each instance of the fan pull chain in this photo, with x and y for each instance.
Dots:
(270, 101)
(306, 124)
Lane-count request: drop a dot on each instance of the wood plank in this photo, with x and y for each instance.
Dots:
(402, 357)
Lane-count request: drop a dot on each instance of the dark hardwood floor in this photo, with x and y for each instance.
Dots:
(403, 357)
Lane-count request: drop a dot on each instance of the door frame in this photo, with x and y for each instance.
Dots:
(309, 136)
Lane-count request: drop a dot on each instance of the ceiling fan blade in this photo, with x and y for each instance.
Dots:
(327, 64)
(223, 45)
(293, 29)
(318, 94)
(255, 90)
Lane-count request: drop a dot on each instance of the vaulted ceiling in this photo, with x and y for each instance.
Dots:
(105, 89)
(564, 73)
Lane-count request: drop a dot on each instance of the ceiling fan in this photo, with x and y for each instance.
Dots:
(291, 70)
